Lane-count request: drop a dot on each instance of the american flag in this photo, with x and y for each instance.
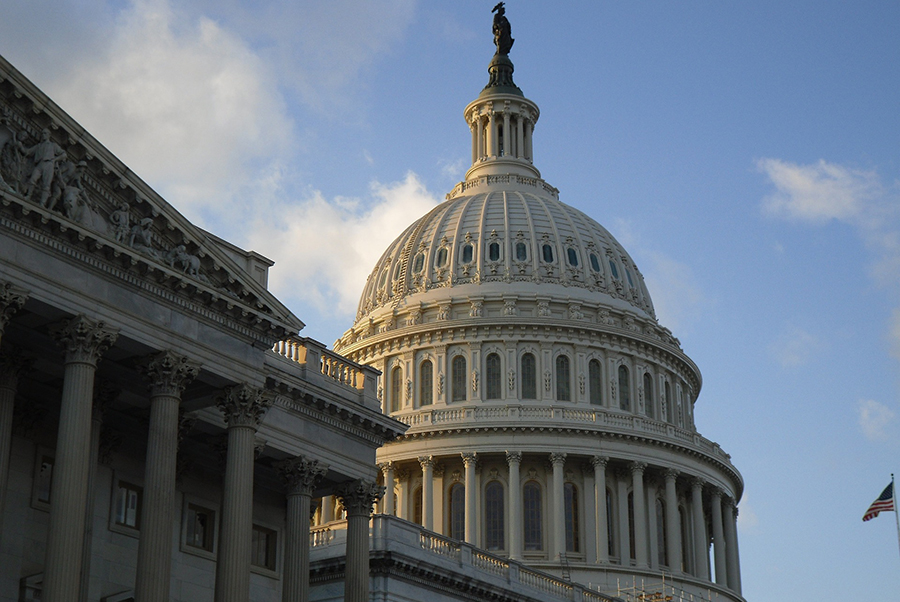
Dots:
(884, 503)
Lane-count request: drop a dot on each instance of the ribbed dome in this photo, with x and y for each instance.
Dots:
(511, 237)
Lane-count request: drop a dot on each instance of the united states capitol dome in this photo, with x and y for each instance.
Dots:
(551, 417)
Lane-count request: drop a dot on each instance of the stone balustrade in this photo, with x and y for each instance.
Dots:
(327, 368)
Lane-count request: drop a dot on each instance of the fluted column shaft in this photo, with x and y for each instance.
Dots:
(427, 463)
(640, 514)
(719, 543)
(514, 460)
(244, 408)
(673, 532)
(701, 549)
(300, 477)
(734, 557)
(507, 144)
(520, 138)
(622, 495)
(10, 368)
(558, 461)
(387, 469)
(168, 374)
(358, 498)
(85, 340)
(599, 463)
(479, 133)
(469, 462)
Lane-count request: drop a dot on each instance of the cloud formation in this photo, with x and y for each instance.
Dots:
(874, 419)
(795, 347)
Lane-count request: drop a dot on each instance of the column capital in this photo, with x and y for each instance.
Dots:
(426, 461)
(637, 467)
(300, 475)
(600, 461)
(697, 482)
(243, 405)
(168, 372)
(715, 491)
(729, 502)
(358, 496)
(12, 366)
(557, 458)
(513, 457)
(671, 474)
(386, 467)
(84, 339)
(12, 299)
(469, 458)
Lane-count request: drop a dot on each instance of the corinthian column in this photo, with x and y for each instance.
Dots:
(701, 549)
(300, 477)
(387, 469)
(640, 514)
(558, 461)
(11, 366)
(84, 340)
(599, 463)
(357, 498)
(469, 460)
(168, 374)
(734, 558)
(11, 300)
(244, 408)
(718, 537)
(427, 463)
(514, 459)
(673, 532)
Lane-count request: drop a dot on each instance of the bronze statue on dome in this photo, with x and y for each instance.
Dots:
(502, 30)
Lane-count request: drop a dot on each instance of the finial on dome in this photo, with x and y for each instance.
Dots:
(501, 68)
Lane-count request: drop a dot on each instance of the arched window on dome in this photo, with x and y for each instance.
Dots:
(457, 511)
(595, 382)
(384, 274)
(572, 256)
(595, 263)
(494, 534)
(613, 269)
(547, 253)
(631, 538)
(417, 505)
(458, 379)
(419, 263)
(396, 389)
(521, 251)
(661, 542)
(563, 386)
(529, 376)
(468, 253)
(426, 382)
(610, 525)
(570, 494)
(624, 389)
(628, 275)
(397, 270)
(441, 258)
(649, 400)
(533, 535)
(493, 376)
(680, 409)
(494, 251)
(670, 406)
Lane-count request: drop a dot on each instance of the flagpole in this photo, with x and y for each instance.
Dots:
(896, 509)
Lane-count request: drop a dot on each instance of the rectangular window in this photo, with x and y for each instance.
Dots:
(128, 505)
(199, 525)
(262, 548)
(43, 479)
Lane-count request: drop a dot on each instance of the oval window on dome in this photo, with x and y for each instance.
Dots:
(494, 251)
(614, 269)
(419, 263)
(595, 263)
(521, 251)
(628, 275)
(467, 252)
(547, 252)
(383, 279)
(441, 260)
(572, 257)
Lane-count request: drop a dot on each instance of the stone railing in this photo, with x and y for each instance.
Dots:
(608, 420)
(327, 368)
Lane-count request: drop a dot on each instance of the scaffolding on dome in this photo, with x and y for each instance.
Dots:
(658, 591)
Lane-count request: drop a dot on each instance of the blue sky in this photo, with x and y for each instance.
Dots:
(744, 153)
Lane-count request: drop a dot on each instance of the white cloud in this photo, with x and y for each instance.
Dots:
(795, 347)
(325, 249)
(874, 419)
(817, 192)
(748, 520)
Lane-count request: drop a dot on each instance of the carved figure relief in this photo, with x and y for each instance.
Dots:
(548, 380)
(474, 381)
(512, 380)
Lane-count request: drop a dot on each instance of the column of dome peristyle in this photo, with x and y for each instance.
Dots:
(244, 408)
(357, 498)
(85, 340)
(300, 477)
(501, 126)
(168, 373)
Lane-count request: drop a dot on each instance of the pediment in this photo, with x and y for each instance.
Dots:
(56, 178)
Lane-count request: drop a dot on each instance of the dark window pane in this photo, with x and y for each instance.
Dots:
(494, 378)
(529, 377)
